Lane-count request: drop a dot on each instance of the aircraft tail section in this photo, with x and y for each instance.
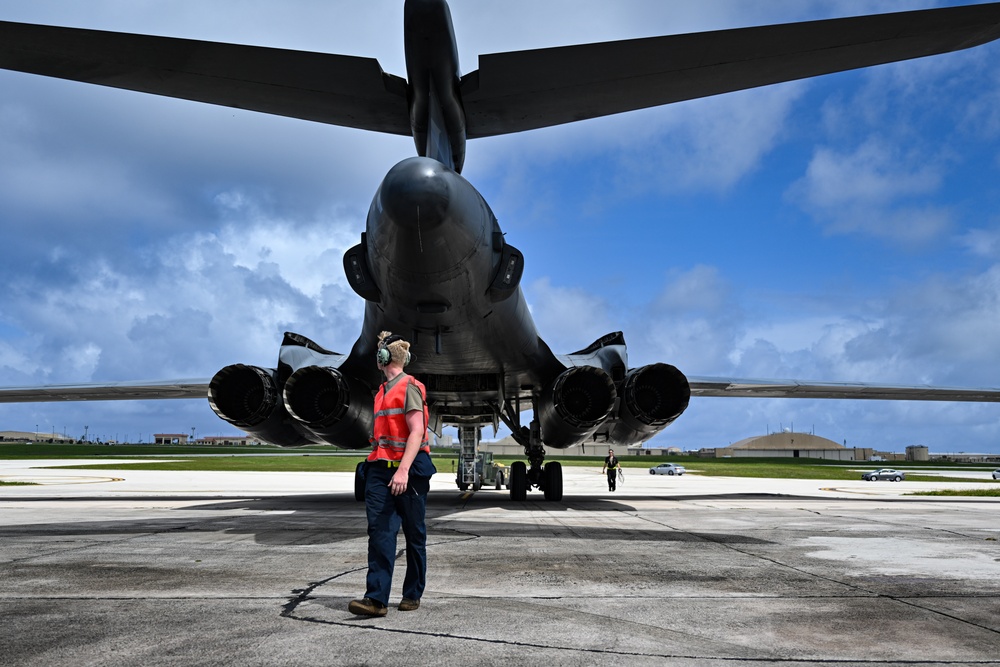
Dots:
(510, 92)
(339, 90)
(437, 119)
(526, 90)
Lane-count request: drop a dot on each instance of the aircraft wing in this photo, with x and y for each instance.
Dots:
(334, 89)
(110, 391)
(525, 90)
(510, 92)
(700, 386)
(708, 386)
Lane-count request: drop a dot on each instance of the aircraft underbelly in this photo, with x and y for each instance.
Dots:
(434, 250)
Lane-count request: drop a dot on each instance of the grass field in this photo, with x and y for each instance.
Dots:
(329, 459)
(20, 450)
(959, 492)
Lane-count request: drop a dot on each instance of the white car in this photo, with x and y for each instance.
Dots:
(884, 473)
(996, 474)
(667, 469)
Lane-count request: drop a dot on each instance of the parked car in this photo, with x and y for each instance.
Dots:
(884, 473)
(996, 474)
(667, 469)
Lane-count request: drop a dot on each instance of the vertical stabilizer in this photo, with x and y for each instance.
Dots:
(437, 118)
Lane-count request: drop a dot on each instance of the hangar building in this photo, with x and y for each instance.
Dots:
(793, 445)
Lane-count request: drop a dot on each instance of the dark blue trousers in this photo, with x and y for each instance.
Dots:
(386, 515)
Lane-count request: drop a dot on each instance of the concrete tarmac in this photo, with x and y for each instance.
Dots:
(117, 567)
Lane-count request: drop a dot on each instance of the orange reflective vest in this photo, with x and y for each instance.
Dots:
(391, 430)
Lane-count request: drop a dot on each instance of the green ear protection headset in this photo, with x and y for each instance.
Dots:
(383, 357)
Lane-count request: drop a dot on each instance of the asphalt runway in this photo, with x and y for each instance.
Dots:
(113, 567)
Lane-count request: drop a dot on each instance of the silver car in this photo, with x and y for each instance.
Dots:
(996, 474)
(667, 469)
(884, 473)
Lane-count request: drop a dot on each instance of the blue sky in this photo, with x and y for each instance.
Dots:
(842, 228)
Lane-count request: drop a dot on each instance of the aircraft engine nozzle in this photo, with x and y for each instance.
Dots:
(330, 405)
(317, 396)
(653, 397)
(656, 394)
(576, 403)
(247, 397)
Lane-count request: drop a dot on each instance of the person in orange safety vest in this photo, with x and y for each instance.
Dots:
(397, 479)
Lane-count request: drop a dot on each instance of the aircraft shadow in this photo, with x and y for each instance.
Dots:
(338, 517)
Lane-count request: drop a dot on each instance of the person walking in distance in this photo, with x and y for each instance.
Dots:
(397, 478)
(611, 466)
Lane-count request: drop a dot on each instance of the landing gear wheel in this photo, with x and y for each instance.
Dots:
(359, 483)
(553, 481)
(462, 486)
(518, 481)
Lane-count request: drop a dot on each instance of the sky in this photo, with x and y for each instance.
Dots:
(845, 228)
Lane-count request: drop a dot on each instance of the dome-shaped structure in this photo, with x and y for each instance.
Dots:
(786, 440)
(789, 444)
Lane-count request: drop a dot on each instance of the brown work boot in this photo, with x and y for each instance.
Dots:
(406, 604)
(367, 607)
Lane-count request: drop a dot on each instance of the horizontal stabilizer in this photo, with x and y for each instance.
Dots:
(333, 89)
(526, 90)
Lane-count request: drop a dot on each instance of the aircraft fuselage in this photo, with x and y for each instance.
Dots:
(447, 281)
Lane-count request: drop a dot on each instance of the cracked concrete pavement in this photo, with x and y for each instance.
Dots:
(155, 568)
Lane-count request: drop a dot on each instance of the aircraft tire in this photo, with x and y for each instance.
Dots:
(359, 484)
(553, 481)
(518, 481)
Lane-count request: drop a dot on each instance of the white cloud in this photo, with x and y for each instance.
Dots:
(876, 190)
(567, 318)
(982, 242)
(159, 238)
(188, 307)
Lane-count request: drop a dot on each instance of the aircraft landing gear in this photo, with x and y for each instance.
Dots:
(544, 476)
(548, 478)
(518, 481)
(553, 486)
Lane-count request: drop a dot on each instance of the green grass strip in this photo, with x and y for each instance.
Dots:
(331, 459)
(991, 493)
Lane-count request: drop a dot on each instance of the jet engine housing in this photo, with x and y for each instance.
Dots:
(575, 405)
(248, 398)
(652, 397)
(331, 406)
